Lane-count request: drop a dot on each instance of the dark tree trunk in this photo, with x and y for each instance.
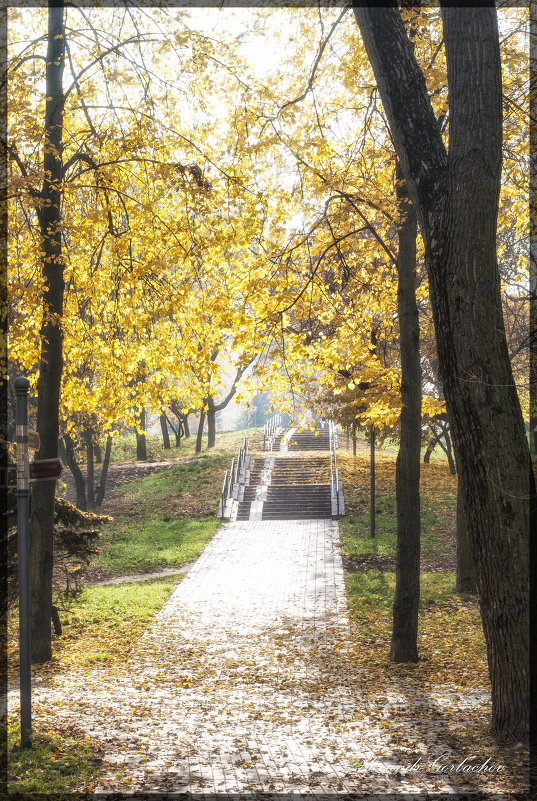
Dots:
(80, 482)
(449, 453)
(430, 448)
(90, 470)
(186, 428)
(199, 437)
(51, 358)
(104, 472)
(456, 198)
(141, 445)
(165, 434)
(372, 482)
(465, 564)
(404, 644)
(211, 423)
(97, 451)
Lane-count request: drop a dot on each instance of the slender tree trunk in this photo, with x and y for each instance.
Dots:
(90, 469)
(354, 439)
(456, 199)
(465, 564)
(199, 437)
(186, 428)
(372, 481)
(97, 451)
(165, 434)
(104, 472)
(141, 445)
(430, 448)
(404, 644)
(449, 453)
(211, 423)
(51, 359)
(80, 482)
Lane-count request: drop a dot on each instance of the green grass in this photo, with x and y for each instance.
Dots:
(58, 764)
(164, 519)
(155, 543)
(357, 537)
(106, 620)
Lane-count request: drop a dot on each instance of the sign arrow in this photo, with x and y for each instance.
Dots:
(46, 469)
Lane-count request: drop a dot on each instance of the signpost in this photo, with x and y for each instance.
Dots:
(21, 385)
(43, 470)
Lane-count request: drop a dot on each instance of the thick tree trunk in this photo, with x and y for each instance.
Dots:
(80, 482)
(211, 423)
(465, 564)
(51, 359)
(165, 434)
(404, 644)
(199, 437)
(456, 198)
(104, 472)
(141, 445)
(97, 451)
(90, 470)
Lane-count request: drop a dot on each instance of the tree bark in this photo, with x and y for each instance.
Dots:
(372, 482)
(465, 581)
(199, 437)
(90, 470)
(456, 199)
(51, 358)
(104, 472)
(141, 445)
(165, 434)
(211, 423)
(186, 427)
(80, 482)
(97, 451)
(404, 643)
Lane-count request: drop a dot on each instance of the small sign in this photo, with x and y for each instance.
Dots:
(33, 440)
(46, 469)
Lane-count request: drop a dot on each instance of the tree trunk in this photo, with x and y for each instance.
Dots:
(354, 440)
(372, 482)
(51, 358)
(465, 564)
(97, 451)
(186, 428)
(104, 472)
(90, 470)
(449, 453)
(141, 445)
(80, 482)
(211, 423)
(404, 644)
(456, 198)
(199, 437)
(165, 434)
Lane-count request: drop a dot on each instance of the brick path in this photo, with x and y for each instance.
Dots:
(237, 685)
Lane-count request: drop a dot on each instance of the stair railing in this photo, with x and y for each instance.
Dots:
(232, 476)
(334, 473)
(270, 429)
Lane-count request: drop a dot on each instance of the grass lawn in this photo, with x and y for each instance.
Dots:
(451, 644)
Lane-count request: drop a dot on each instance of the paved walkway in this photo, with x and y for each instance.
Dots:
(238, 684)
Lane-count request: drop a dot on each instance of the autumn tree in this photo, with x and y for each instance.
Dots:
(456, 197)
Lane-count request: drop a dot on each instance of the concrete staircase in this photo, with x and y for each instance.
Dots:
(287, 488)
(278, 486)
